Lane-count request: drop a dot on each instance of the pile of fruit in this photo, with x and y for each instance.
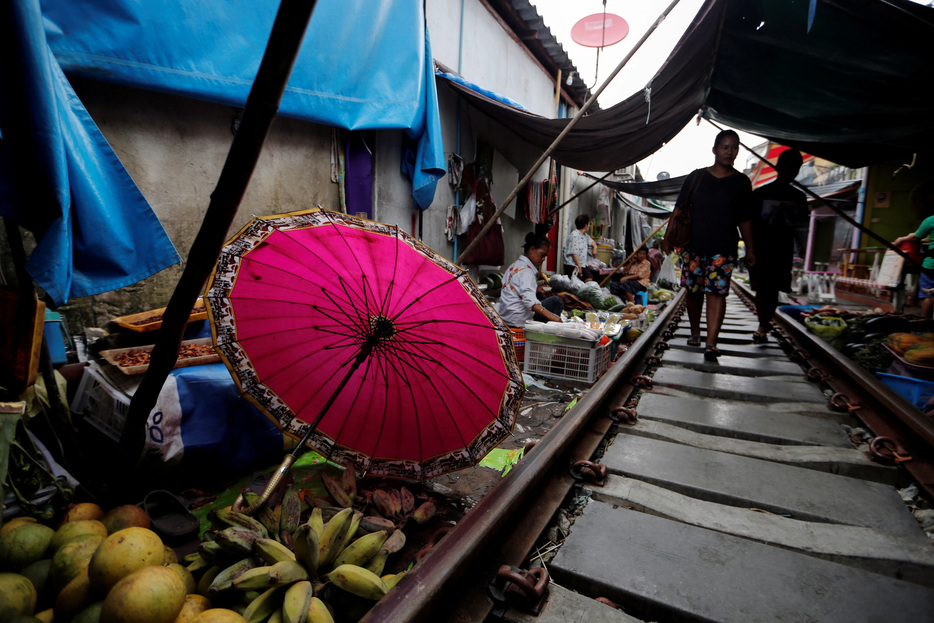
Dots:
(292, 563)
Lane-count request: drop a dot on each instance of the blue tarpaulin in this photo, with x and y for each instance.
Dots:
(364, 64)
(60, 179)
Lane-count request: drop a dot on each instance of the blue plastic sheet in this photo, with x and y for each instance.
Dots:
(60, 179)
(364, 64)
(220, 430)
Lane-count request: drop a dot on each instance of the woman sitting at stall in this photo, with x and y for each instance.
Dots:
(519, 302)
(636, 277)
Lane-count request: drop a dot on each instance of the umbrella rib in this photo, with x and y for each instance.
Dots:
(431, 342)
(416, 355)
(384, 305)
(417, 324)
(350, 409)
(429, 291)
(356, 312)
(450, 414)
(337, 229)
(343, 238)
(418, 429)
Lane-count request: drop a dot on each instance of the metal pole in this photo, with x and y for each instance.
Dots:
(285, 40)
(567, 129)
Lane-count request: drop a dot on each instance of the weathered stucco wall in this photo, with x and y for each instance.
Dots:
(174, 149)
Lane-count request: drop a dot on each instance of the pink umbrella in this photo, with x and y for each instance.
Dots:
(364, 343)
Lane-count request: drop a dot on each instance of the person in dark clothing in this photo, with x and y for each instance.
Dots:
(721, 201)
(779, 208)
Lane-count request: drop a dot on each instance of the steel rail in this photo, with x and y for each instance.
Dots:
(433, 578)
(883, 411)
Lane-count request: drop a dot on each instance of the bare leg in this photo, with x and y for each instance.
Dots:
(716, 308)
(694, 304)
(927, 307)
(766, 302)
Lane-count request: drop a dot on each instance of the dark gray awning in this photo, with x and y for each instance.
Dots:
(845, 84)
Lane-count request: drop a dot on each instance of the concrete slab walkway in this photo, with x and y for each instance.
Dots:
(742, 420)
(667, 570)
(909, 558)
(753, 483)
(739, 387)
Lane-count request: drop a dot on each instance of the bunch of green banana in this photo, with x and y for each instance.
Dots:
(275, 567)
(267, 516)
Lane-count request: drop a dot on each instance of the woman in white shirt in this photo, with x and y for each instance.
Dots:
(518, 302)
(578, 248)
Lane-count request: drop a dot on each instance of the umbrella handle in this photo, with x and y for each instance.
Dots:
(274, 481)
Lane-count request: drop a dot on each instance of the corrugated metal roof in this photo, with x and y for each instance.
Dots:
(543, 44)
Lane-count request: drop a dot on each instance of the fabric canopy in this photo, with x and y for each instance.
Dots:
(843, 82)
(662, 190)
(653, 209)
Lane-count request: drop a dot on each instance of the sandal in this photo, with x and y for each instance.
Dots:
(694, 340)
(760, 338)
(711, 353)
(169, 516)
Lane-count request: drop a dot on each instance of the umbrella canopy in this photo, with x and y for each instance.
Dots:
(325, 316)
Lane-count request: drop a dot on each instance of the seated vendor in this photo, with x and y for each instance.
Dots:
(635, 278)
(519, 301)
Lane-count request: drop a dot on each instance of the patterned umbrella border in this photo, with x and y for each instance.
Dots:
(223, 331)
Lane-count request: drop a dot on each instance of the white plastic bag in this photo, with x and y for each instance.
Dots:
(576, 286)
(467, 214)
(667, 271)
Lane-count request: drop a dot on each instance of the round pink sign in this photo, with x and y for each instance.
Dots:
(599, 30)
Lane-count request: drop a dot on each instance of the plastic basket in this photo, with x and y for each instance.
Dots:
(518, 343)
(558, 357)
(101, 405)
(916, 391)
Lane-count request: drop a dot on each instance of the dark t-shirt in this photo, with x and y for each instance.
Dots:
(779, 210)
(718, 205)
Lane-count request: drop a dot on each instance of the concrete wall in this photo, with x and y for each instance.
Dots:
(174, 149)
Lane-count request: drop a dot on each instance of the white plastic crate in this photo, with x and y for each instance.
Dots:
(101, 405)
(558, 357)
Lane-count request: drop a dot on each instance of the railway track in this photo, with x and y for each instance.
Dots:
(682, 490)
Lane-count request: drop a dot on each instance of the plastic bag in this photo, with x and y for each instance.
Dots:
(559, 283)
(667, 271)
(468, 213)
(576, 286)
(831, 329)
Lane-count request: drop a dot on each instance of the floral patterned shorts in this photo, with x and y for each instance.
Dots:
(706, 273)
